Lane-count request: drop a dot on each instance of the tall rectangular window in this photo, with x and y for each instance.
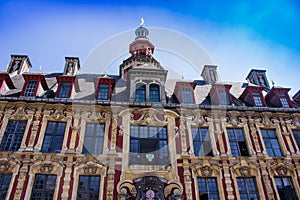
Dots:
(30, 88)
(54, 137)
(285, 188)
(93, 138)
(154, 93)
(4, 184)
(64, 90)
(297, 137)
(88, 188)
(140, 93)
(103, 91)
(187, 95)
(148, 145)
(283, 100)
(247, 189)
(208, 188)
(43, 187)
(237, 141)
(201, 142)
(223, 97)
(13, 135)
(257, 99)
(271, 142)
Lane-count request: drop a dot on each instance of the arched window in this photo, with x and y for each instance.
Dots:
(154, 93)
(140, 93)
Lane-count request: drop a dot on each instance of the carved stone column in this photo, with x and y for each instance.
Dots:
(187, 179)
(66, 180)
(34, 129)
(21, 180)
(182, 132)
(75, 131)
(228, 181)
(110, 182)
(114, 128)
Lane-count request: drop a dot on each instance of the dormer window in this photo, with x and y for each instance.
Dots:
(65, 90)
(283, 100)
(30, 89)
(219, 94)
(223, 96)
(154, 93)
(257, 99)
(140, 93)
(187, 95)
(35, 85)
(103, 89)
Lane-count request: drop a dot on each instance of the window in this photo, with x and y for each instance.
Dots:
(283, 100)
(43, 187)
(103, 91)
(54, 137)
(208, 188)
(247, 189)
(64, 91)
(4, 184)
(271, 142)
(237, 142)
(297, 137)
(93, 138)
(154, 93)
(187, 96)
(257, 99)
(30, 88)
(140, 93)
(201, 142)
(88, 188)
(13, 135)
(285, 188)
(223, 97)
(148, 145)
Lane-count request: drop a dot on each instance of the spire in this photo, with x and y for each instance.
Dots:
(141, 32)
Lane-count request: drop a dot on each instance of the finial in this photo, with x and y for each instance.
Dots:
(182, 77)
(6, 68)
(39, 69)
(142, 21)
(273, 83)
(71, 71)
(248, 81)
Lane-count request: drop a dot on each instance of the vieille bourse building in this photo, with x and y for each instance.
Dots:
(139, 135)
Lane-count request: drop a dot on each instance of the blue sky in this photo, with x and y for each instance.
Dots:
(238, 35)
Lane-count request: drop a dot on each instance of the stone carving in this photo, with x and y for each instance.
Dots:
(46, 168)
(4, 165)
(206, 171)
(282, 171)
(90, 170)
(245, 171)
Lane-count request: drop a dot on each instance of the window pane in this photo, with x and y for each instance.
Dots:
(297, 137)
(140, 94)
(149, 146)
(103, 91)
(4, 184)
(223, 97)
(285, 188)
(208, 188)
(256, 98)
(64, 91)
(187, 96)
(54, 136)
(201, 142)
(88, 188)
(43, 187)
(30, 88)
(271, 142)
(154, 93)
(93, 138)
(13, 135)
(237, 142)
(247, 188)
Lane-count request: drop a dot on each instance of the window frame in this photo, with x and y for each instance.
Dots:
(154, 95)
(54, 134)
(283, 100)
(94, 137)
(15, 135)
(62, 89)
(140, 93)
(239, 142)
(207, 189)
(31, 88)
(247, 191)
(187, 95)
(297, 137)
(89, 184)
(44, 189)
(197, 137)
(223, 97)
(270, 142)
(285, 189)
(5, 188)
(141, 135)
(257, 99)
(103, 92)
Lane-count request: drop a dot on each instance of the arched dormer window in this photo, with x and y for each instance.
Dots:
(140, 93)
(154, 93)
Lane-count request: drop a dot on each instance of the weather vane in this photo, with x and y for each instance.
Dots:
(142, 21)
